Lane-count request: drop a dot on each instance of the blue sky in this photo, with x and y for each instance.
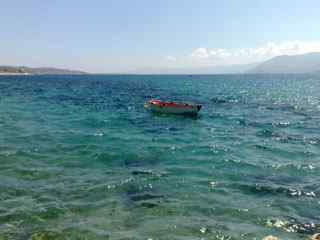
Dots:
(119, 36)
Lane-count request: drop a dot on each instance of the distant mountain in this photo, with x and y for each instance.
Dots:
(305, 63)
(36, 71)
(223, 69)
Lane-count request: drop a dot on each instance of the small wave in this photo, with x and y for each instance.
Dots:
(98, 134)
(281, 107)
(255, 124)
(297, 167)
(270, 133)
(226, 100)
(287, 138)
(148, 173)
(260, 189)
(282, 124)
(280, 136)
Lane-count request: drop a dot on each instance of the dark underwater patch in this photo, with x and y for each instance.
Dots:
(144, 196)
(149, 205)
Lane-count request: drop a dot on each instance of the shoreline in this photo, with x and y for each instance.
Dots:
(12, 74)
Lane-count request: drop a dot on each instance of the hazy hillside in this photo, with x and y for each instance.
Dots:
(28, 70)
(226, 69)
(305, 63)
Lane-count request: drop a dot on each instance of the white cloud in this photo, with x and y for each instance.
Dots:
(200, 53)
(260, 53)
(171, 58)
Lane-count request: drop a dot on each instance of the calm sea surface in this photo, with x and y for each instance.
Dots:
(80, 158)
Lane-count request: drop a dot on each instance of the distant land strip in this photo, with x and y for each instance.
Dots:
(12, 70)
(308, 63)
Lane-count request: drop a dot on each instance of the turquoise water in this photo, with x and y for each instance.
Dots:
(80, 158)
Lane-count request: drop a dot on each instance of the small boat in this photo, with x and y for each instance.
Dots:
(159, 106)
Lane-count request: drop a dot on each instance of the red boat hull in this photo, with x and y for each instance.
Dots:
(172, 107)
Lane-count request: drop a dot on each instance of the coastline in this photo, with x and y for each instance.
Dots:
(12, 74)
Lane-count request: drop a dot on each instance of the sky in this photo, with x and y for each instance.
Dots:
(113, 36)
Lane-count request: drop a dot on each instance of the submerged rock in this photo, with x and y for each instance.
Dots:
(294, 225)
(45, 235)
(270, 237)
(315, 236)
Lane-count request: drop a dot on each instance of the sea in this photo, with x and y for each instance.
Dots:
(80, 157)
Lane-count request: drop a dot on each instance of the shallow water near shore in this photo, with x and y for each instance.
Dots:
(80, 158)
